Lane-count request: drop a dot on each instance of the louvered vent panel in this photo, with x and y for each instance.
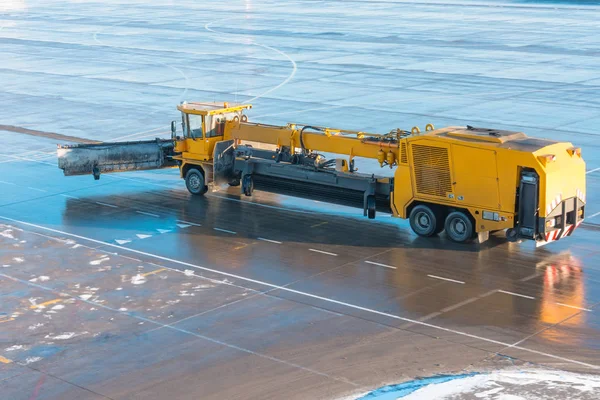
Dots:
(432, 170)
(403, 156)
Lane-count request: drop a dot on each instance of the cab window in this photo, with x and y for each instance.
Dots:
(215, 125)
(195, 126)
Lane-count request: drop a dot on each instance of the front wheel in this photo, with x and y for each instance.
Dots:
(424, 221)
(459, 227)
(194, 181)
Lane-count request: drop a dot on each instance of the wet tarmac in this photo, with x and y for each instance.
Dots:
(128, 287)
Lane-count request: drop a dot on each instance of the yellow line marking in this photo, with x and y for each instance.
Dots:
(240, 247)
(5, 360)
(47, 303)
(156, 271)
(7, 320)
(319, 224)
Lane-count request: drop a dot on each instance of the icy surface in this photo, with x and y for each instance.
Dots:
(118, 67)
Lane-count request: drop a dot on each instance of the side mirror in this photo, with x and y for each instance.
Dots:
(173, 129)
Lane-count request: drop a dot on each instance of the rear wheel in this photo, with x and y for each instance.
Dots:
(194, 181)
(459, 227)
(424, 221)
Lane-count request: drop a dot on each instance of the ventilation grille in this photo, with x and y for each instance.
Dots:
(403, 156)
(432, 170)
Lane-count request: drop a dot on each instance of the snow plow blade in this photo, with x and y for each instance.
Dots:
(94, 159)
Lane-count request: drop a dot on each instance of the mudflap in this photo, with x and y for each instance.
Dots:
(224, 161)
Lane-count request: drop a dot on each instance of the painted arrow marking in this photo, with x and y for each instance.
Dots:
(122, 241)
(163, 230)
(182, 226)
(143, 236)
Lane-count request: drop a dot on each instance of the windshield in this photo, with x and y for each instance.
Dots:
(195, 125)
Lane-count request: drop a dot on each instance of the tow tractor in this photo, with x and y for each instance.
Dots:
(464, 180)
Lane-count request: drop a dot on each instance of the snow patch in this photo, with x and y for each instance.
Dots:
(65, 336)
(139, 279)
(30, 360)
(16, 347)
(99, 261)
(58, 307)
(511, 385)
(18, 259)
(7, 234)
(188, 272)
(35, 326)
(85, 296)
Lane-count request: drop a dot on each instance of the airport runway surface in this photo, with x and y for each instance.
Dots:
(128, 287)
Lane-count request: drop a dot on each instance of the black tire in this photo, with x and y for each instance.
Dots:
(247, 185)
(371, 207)
(194, 181)
(459, 227)
(424, 221)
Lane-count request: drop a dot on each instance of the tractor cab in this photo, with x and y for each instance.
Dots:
(203, 125)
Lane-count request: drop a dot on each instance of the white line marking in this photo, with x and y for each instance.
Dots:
(446, 279)
(305, 294)
(225, 230)
(592, 170)
(380, 264)
(269, 240)
(578, 308)
(70, 197)
(106, 204)
(188, 223)
(517, 294)
(8, 183)
(593, 215)
(148, 214)
(39, 190)
(323, 252)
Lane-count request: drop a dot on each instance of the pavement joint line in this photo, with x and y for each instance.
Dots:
(8, 183)
(186, 222)
(39, 190)
(529, 277)
(106, 204)
(592, 170)
(148, 214)
(575, 307)
(225, 230)
(593, 215)
(445, 279)
(323, 252)
(70, 197)
(319, 224)
(380, 264)
(185, 331)
(301, 293)
(269, 240)
(516, 294)
(462, 303)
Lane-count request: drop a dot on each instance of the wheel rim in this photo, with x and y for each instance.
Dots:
(458, 228)
(194, 182)
(423, 222)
